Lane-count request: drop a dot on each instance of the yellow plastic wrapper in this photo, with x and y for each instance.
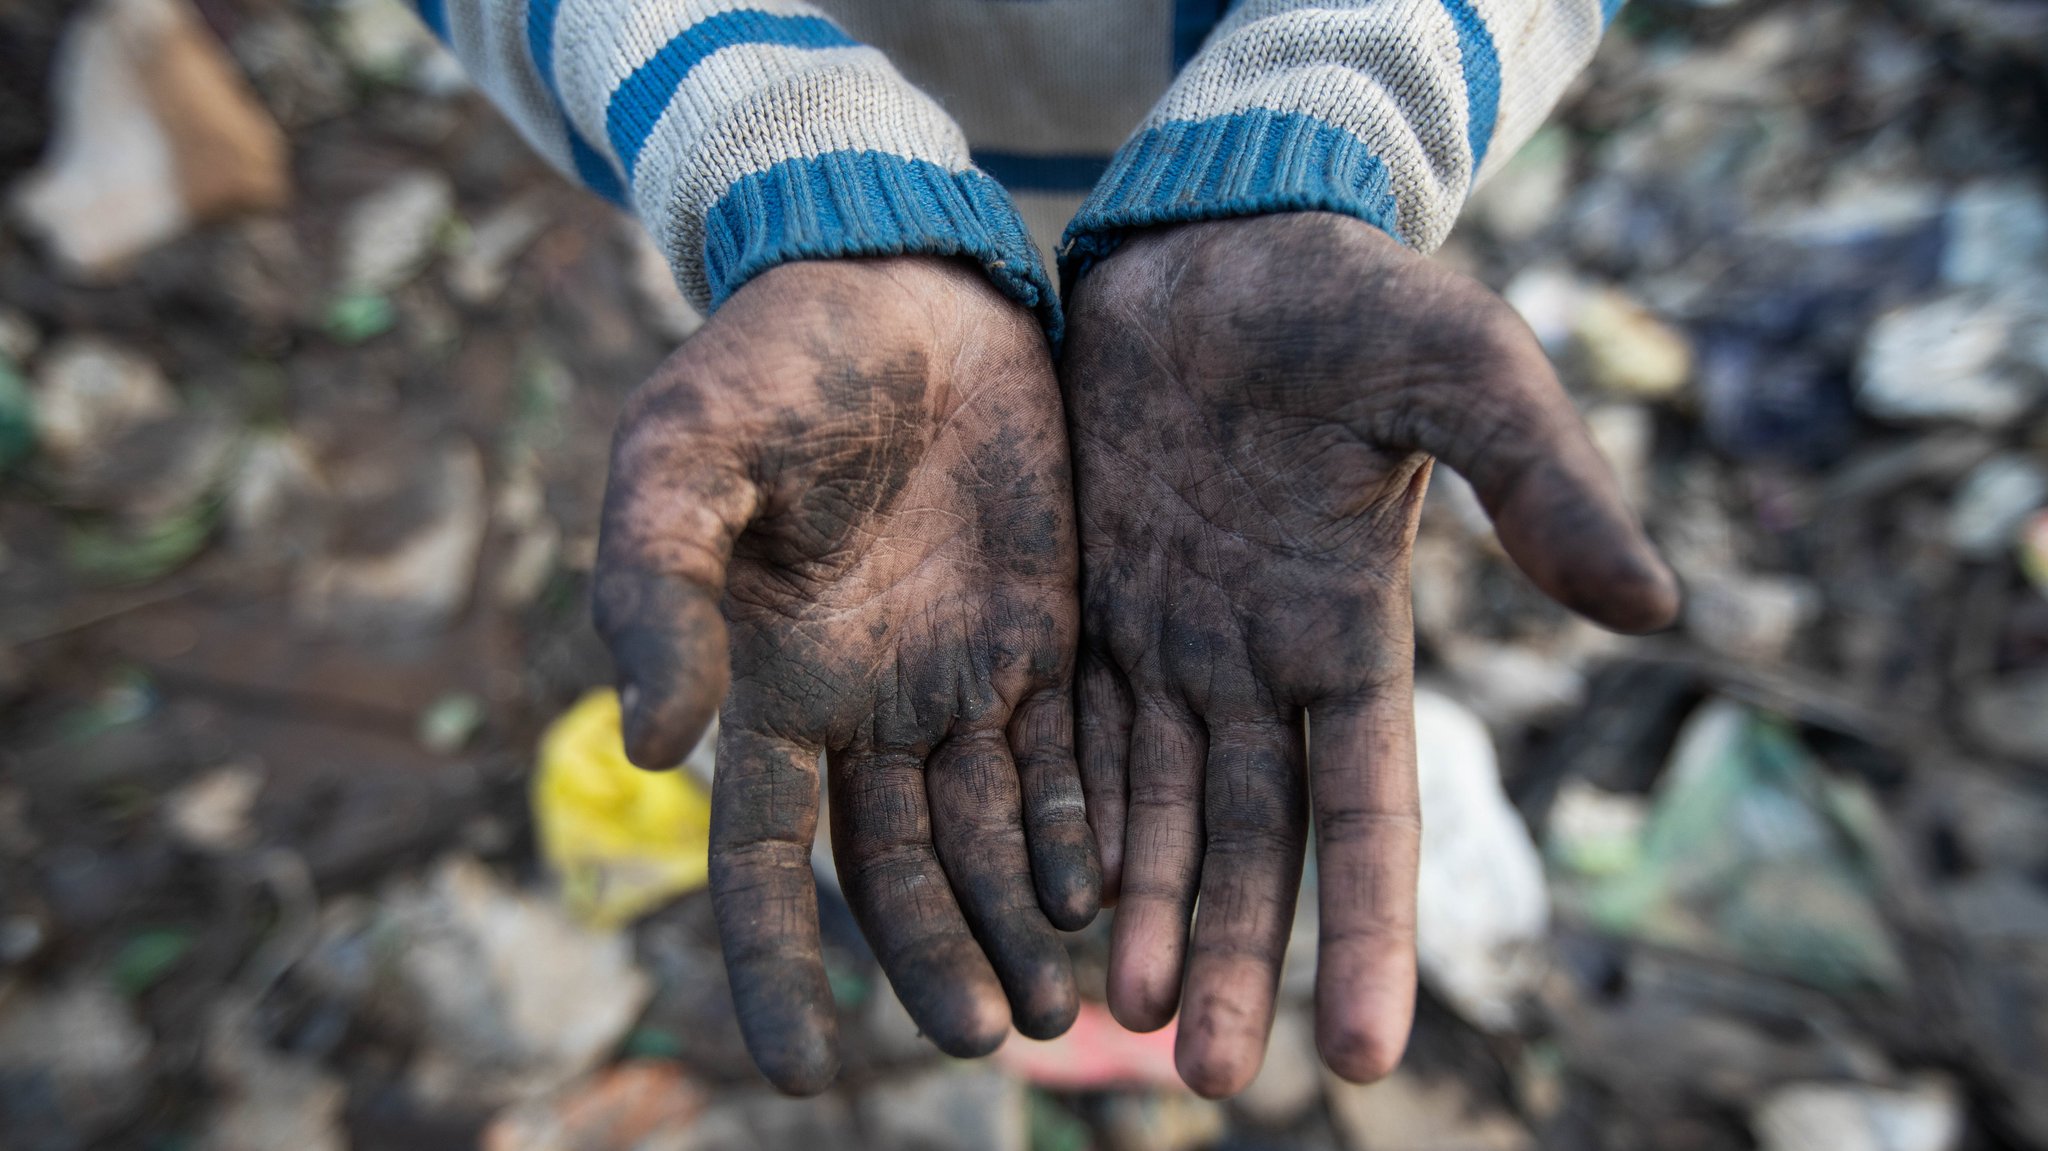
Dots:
(623, 841)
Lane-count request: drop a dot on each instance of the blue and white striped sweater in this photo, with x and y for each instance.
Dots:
(747, 133)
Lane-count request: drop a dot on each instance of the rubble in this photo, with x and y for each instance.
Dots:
(512, 998)
(1855, 1117)
(282, 843)
(1404, 1112)
(156, 131)
(388, 235)
(89, 391)
(1482, 911)
(73, 1065)
(1947, 358)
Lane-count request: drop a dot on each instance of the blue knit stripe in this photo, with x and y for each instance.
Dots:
(594, 170)
(869, 203)
(1607, 10)
(638, 103)
(1249, 163)
(540, 43)
(1481, 64)
(434, 14)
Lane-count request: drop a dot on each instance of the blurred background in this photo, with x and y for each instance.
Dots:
(314, 834)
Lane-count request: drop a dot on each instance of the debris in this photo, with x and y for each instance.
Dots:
(1993, 502)
(410, 556)
(1944, 359)
(269, 1100)
(147, 958)
(1289, 1082)
(622, 841)
(17, 417)
(1163, 1121)
(1750, 615)
(299, 79)
(1927, 1116)
(389, 235)
(511, 999)
(2009, 716)
(1523, 198)
(1482, 913)
(970, 1108)
(1629, 351)
(1998, 233)
(156, 131)
(1595, 832)
(19, 338)
(211, 814)
(1095, 1053)
(622, 1108)
(88, 392)
(386, 42)
(481, 264)
(73, 1065)
(1404, 1112)
(1751, 853)
(654, 282)
(2032, 546)
(448, 723)
(273, 499)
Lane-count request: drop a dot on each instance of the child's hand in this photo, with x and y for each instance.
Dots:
(855, 480)
(1254, 406)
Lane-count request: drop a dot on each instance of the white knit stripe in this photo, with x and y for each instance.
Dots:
(598, 43)
(489, 37)
(796, 117)
(704, 100)
(1389, 74)
(1544, 45)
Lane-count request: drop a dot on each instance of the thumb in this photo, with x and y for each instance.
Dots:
(673, 506)
(1555, 503)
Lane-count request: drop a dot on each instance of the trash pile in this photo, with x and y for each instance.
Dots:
(314, 832)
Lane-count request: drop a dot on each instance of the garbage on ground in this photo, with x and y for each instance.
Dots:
(621, 1108)
(1405, 1112)
(156, 131)
(1751, 853)
(621, 840)
(1924, 1116)
(1095, 1053)
(510, 998)
(73, 1065)
(1482, 913)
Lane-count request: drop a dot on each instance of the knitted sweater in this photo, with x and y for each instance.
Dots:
(747, 133)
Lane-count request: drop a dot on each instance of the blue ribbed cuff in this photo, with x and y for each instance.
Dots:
(1244, 164)
(871, 203)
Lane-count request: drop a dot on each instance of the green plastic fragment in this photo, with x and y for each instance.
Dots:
(148, 957)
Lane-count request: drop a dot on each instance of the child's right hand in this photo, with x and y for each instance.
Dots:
(854, 480)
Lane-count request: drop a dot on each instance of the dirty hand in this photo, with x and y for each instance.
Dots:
(1254, 407)
(854, 480)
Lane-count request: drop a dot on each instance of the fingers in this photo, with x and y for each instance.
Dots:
(764, 813)
(673, 507)
(882, 843)
(1555, 504)
(1368, 819)
(1257, 822)
(978, 827)
(1064, 867)
(1105, 744)
(1162, 865)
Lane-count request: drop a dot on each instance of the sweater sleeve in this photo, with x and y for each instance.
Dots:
(1386, 110)
(743, 134)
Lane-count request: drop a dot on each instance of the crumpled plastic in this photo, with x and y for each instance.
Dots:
(622, 841)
